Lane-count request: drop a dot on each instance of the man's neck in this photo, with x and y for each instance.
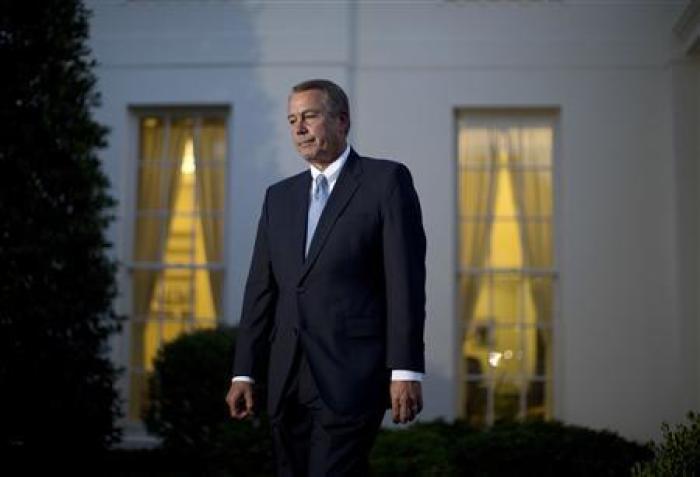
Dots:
(321, 166)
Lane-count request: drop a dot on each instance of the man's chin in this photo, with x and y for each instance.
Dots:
(308, 155)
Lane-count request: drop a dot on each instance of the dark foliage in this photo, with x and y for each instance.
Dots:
(187, 408)
(56, 280)
(423, 449)
(546, 449)
(538, 448)
(678, 454)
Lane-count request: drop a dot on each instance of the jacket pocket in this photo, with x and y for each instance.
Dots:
(360, 326)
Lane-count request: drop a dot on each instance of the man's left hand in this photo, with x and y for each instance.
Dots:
(406, 400)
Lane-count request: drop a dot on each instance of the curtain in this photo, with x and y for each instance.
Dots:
(210, 155)
(530, 156)
(478, 149)
(478, 176)
(162, 146)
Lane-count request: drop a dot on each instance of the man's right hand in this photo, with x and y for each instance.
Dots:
(240, 399)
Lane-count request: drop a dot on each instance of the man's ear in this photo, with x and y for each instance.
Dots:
(344, 119)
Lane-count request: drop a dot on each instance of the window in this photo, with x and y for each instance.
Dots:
(506, 277)
(177, 270)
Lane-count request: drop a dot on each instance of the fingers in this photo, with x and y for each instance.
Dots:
(240, 400)
(405, 414)
(406, 401)
(395, 405)
(248, 396)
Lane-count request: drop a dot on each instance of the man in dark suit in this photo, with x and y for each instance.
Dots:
(334, 304)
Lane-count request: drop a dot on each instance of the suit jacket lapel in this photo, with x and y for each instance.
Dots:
(299, 215)
(344, 189)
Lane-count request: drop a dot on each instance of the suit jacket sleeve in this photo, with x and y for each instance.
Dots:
(259, 301)
(404, 248)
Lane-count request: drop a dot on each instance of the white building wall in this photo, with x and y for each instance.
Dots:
(625, 331)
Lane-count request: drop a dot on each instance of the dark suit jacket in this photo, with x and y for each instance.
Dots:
(356, 304)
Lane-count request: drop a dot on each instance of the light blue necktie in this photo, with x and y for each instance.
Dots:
(318, 201)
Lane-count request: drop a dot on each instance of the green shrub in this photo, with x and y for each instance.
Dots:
(679, 453)
(424, 449)
(537, 448)
(187, 409)
(546, 449)
(57, 279)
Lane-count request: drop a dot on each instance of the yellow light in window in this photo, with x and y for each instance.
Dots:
(188, 166)
(495, 358)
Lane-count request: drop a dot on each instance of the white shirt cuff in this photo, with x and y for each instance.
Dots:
(245, 379)
(396, 375)
(406, 375)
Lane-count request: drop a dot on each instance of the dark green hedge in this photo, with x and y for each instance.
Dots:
(188, 412)
(536, 448)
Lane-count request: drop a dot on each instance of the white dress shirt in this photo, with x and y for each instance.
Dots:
(332, 172)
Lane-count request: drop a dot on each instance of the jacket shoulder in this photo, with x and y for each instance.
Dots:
(285, 185)
(386, 172)
(384, 168)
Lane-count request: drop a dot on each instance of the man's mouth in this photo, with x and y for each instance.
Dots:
(308, 142)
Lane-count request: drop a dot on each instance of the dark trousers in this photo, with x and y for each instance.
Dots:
(311, 440)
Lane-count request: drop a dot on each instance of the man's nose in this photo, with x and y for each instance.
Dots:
(300, 127)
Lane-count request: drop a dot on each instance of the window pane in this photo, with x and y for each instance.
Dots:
(180, 142)
(213, 139)
(149, 238)
(474, 147)
(536, 400)
(475, 402)
(152, 139)
(212, 239)
(473, 245)
(506, 297)
(532, 193)
(180, 243)
(210, 180)
(476, 187)
(185, 201)
(152, 193)
(478, 343)
(506, 355)
(203, 324)
(207, 293)
(469, 292)
(144, 284)
(533, 144)
(539, 297)
(540, 356)
(539, 250)
(176, 286)
(506, 400)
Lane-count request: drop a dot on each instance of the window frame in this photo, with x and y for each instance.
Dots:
(130, 171)
(504, 116)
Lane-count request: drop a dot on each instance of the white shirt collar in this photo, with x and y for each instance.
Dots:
(332, 171)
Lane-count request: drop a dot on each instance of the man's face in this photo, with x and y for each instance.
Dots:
(318, 135)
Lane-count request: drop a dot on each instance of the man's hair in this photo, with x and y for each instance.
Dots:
(336, 100)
